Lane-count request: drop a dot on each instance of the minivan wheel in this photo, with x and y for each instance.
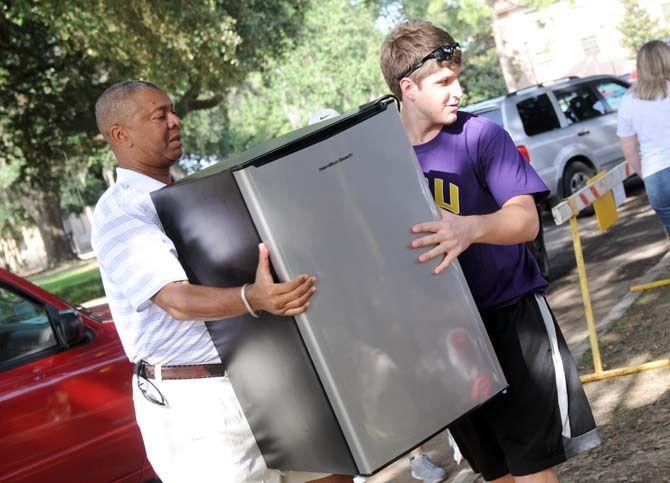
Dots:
(575, 176)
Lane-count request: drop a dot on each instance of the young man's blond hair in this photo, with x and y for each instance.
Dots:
(405, 47)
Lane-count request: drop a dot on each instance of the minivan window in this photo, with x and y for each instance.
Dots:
(579, 103)
(24, 326)
(612, 92)
(494, 115)
(537, 115)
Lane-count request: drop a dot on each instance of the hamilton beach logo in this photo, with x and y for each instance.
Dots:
(337, 161)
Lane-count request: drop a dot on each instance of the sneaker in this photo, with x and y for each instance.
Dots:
(424, 469)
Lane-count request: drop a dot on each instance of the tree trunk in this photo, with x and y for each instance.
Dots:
(10, 255)
(44, 209)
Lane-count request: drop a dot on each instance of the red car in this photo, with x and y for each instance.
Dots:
(66, 409)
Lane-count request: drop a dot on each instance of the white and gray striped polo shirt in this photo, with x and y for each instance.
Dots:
(137, 259)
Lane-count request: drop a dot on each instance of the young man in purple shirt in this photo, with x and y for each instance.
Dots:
(487, 193)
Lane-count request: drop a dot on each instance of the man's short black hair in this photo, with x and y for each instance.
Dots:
(112, 105)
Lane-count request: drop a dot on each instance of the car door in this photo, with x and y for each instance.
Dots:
(533, 123)
(611, 92)
(588, 123)
(66, 413)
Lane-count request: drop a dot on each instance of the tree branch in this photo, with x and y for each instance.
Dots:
(189, 102)
(183, 105)
(213, 101)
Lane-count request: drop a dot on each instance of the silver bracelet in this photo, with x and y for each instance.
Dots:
(243, 295)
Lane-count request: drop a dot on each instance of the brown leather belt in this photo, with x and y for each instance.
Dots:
(196, 371)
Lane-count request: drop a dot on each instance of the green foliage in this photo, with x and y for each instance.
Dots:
(240, 71)
(47, 91)
(12, 216)
(79, 191)
(637, 27)
(187, 47)
(482, 78)
(57, 56)
(45, 111)
(44, 100)
(470, 22)
(334, 63)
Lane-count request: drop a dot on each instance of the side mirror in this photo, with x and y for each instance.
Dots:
(70, 329)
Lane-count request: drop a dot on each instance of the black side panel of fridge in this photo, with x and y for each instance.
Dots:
(266, 359)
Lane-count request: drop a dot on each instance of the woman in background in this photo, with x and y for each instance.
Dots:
(644, 119)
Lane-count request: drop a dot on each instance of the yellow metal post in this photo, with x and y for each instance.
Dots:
(647, 286)
(586, 296)
(624, 371)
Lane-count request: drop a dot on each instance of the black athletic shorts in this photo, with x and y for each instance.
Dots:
(543, 418)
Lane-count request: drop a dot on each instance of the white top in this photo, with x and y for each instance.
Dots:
(137, 259)
(650, 121)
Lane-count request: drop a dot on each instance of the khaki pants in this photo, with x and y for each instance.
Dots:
(202, 435)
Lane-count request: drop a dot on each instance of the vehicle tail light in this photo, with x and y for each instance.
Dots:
(524, 152)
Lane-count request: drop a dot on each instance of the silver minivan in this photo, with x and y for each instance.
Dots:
(566, 129)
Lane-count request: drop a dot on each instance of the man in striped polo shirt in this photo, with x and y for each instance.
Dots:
(191, 422)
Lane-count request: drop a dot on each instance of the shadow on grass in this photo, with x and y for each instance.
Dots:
(634, 447)
(634, 410)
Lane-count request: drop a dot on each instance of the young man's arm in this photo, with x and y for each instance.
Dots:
(515, 222)
(184, 301)
(631, 153)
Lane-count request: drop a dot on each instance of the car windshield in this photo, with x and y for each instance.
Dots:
(24, 326)
(579, 104)
(613, 93)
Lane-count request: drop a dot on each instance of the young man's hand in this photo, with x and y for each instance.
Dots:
(288, 298)
(452, 235)
(515, 222)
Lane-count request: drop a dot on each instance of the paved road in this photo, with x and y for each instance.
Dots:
(615, 260)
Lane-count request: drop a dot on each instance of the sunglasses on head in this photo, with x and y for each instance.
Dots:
(444, 53)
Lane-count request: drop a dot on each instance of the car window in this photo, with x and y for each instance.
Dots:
(579, 103)
(24, 326)
(537, 115)
(494, 115)
(612, 92)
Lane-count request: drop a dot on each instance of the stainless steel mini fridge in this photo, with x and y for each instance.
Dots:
(388, 353)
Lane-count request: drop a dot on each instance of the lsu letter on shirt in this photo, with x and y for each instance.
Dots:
(473, 168)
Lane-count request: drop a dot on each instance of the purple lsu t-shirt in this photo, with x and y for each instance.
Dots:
(473, 167)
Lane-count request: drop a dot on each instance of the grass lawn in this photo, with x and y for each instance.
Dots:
(76, 285)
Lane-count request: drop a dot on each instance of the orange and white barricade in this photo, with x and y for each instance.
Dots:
(605, 192)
